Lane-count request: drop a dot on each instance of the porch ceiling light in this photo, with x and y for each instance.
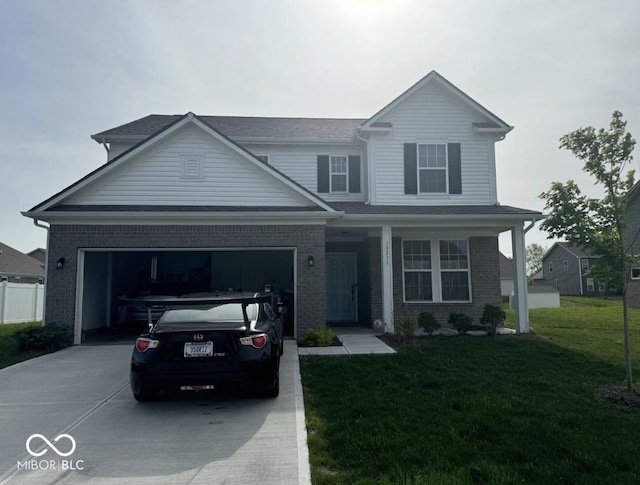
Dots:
(311, 262)
(60, 263)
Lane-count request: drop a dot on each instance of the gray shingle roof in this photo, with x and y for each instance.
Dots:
(181, 208)
(361, 208)
(15, 263)
(581, 253)
(246, 127)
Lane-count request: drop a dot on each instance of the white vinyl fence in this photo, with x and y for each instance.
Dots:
(21, 302)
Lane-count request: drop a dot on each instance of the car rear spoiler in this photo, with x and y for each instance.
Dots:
(243, 300)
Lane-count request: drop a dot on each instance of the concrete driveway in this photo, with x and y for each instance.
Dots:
(83, 392)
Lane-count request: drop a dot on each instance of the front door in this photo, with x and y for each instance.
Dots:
(342, 289)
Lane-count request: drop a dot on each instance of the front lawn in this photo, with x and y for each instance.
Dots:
(503, 410)
(9, 353)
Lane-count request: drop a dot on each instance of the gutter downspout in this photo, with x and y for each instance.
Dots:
(46, 270)
(366, 142)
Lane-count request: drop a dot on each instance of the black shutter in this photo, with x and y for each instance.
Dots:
(455, 168)
(354, 174)
(323, 174)
(410, 168)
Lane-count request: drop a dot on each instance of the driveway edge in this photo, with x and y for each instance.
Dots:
(304, 469)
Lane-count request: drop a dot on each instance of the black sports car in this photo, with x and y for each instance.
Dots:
(209, 341)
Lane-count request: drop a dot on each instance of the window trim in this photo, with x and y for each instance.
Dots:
(436, 270)
(638, 275)
(446, 167)
(550, 266)
(263, 158)
(591, 285)
(346, 174)
(602, 288)
(565, 265)
(584, 264)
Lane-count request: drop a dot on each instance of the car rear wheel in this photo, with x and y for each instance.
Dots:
(145, 394)
(273, 390)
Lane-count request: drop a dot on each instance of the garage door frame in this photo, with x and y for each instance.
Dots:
(77, 339)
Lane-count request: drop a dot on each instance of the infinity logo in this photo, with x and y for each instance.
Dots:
(51, 445)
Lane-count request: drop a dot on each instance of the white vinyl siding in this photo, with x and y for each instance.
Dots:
(156, 177)
(433, 114)
(300, 162)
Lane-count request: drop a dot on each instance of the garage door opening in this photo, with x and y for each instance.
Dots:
(105, 275)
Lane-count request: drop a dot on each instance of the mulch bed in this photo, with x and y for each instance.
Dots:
(618, 394)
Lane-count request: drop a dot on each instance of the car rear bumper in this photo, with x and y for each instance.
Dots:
(222, 374)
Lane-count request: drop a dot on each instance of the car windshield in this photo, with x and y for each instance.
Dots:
(227, 312)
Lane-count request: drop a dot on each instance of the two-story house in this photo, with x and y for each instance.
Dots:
(632, 242)
(565, 267)
(351, 220)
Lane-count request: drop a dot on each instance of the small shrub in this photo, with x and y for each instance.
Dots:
(318, 337)
(406, 327)
(460, 321)
(427, 321)
(48, 338)
(492, 317)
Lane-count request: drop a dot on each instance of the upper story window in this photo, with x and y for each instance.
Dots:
(584, 263)
(339, 175)
(635, 273)
(565, 265)
(551, 267)
(432, 168)
(263, 158)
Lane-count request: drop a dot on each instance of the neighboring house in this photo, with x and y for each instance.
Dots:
(506, 275)
(40, 254)
(565, 267)
(632, 239)
(17, 267)
(350, 220)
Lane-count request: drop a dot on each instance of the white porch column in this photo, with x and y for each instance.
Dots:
(387, 279)
(520, 280)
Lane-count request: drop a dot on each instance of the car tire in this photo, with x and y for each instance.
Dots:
(145, 394)
(273, 390)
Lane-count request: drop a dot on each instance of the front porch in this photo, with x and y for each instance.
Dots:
(384, 273)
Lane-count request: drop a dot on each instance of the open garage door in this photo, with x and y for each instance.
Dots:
(107, 274)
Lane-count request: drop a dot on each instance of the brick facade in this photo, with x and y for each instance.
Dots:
(65, 240)
(485, 282)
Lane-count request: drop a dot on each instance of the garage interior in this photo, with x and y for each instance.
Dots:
(111, 274)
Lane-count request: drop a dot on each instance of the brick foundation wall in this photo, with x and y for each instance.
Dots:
(485, 282)
(65, 240)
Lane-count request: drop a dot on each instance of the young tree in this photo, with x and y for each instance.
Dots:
(598, 225)
(534, 254)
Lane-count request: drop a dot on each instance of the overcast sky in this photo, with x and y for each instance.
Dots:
(69, 69)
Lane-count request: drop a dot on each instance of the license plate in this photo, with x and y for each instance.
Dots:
(199, 349)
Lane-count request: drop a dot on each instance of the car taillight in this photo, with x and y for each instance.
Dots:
(143, 343)
(257, 341)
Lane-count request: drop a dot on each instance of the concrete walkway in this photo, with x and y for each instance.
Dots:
(355, 341)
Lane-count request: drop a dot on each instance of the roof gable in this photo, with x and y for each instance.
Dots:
(165, 151)
(568, 248)
(492, 124)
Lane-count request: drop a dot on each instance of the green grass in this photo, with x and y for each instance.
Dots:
(9, 354)
(504, 410)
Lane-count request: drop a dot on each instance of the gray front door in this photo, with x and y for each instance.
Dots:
(342, 290)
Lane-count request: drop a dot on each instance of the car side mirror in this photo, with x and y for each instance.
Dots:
(282, 310)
